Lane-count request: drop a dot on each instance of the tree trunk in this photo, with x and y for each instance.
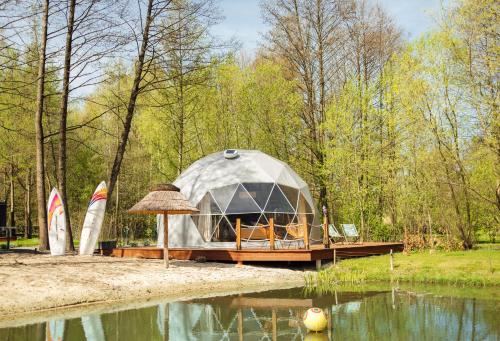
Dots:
(40, 166)
(61, 164)
(27, 212)
(12, 215)
(134, 93)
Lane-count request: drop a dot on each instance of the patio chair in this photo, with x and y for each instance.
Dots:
(255, 233)
(350, 231)
(296, 234)
(334, 234)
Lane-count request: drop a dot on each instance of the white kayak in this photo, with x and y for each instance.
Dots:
(93, 220)
(56, 224)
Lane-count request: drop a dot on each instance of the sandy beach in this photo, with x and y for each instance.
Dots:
(37, 282)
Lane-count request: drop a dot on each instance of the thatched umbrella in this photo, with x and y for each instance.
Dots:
(164, 199)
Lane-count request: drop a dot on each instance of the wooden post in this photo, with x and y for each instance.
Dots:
(274, 322)
(165, 240)
(391, 261)
(330, 323)
(306, 235)
(326, 241)
(240, 325)
(166, 322)
(318, 264)
(334, 256)
(238, 234)
(271, 233)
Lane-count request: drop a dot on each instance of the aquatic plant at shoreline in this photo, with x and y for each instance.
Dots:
(478, 268)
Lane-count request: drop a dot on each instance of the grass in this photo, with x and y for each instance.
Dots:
(33, 242)
(22, 242)
(476, 268)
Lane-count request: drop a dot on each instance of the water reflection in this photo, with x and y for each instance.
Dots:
(277, 315)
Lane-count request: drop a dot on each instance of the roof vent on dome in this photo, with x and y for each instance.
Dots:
(231, 154)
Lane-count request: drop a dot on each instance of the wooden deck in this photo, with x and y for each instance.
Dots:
(315, 253)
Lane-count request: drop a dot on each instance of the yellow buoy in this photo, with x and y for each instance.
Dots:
(315, 319)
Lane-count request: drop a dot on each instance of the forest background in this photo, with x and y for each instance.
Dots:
(400, 137)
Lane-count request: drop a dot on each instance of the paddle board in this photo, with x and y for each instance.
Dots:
(54, 330)
(56, 224)
(92, 327)
(93, 220)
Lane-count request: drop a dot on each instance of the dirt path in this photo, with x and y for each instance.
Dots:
(35, 282)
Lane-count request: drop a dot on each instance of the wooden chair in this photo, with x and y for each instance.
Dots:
(296, 231)
(255, 233)
(350, 231)
(334, 234)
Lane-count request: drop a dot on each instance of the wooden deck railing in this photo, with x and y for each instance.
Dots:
(272, 234)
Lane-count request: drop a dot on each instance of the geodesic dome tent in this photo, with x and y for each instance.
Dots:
(245, 184)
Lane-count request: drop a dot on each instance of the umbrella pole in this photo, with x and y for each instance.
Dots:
(165, 240)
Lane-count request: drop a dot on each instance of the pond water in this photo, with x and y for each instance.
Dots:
(353, 314)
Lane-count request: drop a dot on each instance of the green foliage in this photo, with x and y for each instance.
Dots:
(411, 145)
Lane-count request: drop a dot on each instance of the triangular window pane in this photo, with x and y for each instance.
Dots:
(206, 225)
(278, 203)
(263, 220)
(303, 206)
(225, 232)
(223, 195)
(292, 194)
(242, 202)
(207, 205)
(259, 192)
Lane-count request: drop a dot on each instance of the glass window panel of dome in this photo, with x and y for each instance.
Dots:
(207, 205)
(225, 232)
(248, 219)
(262, 220)
(206, 224)
(259, 191)
(316, 230)
(292, 194)
(214, 227)
(281, 221)
(223, 195)
(248, 224)
(277, 202)
(303, 205)
(242, 202)
(306, 217)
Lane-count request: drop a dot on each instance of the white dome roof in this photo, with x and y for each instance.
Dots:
(252, 186)
(251, 166)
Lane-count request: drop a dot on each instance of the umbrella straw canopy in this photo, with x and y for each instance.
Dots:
(164, 199)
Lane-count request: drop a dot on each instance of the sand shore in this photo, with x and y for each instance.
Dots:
(38, 282)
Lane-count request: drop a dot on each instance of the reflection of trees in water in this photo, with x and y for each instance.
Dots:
(278, 315)
(428, 317)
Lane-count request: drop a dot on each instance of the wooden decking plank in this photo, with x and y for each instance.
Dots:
(262, 255)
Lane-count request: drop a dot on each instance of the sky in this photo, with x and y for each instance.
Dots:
(243, 19)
